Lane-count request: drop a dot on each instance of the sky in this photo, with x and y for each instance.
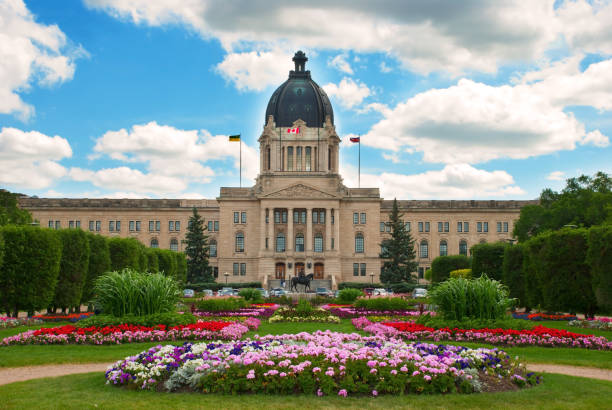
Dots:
(453, 100)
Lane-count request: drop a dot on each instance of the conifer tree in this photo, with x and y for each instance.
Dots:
(197, 251)
(398, 251)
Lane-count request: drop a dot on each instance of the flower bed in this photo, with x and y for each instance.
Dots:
(244, 312)
(542, 316)
(131, 334)
(294, 315)
(72, 317)
(538, 336)
(6, 322)
(323, 363)
(601, 323)
(349, 312)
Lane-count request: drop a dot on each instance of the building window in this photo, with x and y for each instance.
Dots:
(440, 226)
(332, 216)
(298, 158)
(170, 226)
(210, 226)
(332, 243)
(215, 272)
(71, 224)
(174, 245)
(363, 218)
(499, 227)
(421, 272)
(213, 248)
(420, 226)
(463, 248)
(478, 226)
(363, 269)
(216, 226)
(111, 226)
(267, 215)
(236, 269)
(296, 217)
(424, 249)
(137, 226)
(98, 226)
(177, 226)
(321, 217)
(426, 226)
(239, 242)
(443, 248)
(51, 225)
(485, 226)
(408, 227)
(308, 155)
(318, 242)
(284, 216)
(236, 217)
(268, 158)
(382, 226)
(303, 217)
(91, 225)
(459, 227)
(355, 218)
(299, 242)
(505, 226)
(57, 225)
(243, 269)
(117, 226)
(359, 245)
(446, 226)
(355, 269)
(243, 217)
(466, 227)
(132, 226)
(78, 224)
(280, 242)
(154, 243)
(289, 158)
(388, 227)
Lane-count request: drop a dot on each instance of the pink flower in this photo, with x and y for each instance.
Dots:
(426, 377)
(374, 393)
(319, 392)
(250, 374)
(342, 393)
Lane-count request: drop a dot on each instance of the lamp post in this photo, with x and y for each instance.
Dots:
(372, 277)
(511, 241)
(226, 275)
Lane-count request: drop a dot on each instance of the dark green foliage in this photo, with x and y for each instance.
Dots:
(438, 322)
(488, 258)
(181, 267)
(349, 295)
(222, 304)
(10, 213)
(214, 286)
(73, 268)
(442, 265)
(251, 295)
(599, 257)
(398, 251)
(99, 263)
(512, 275)
(168, 319)
(125, 253)
(532, 264)
(197, 251)
(383, 304)
(403, 287)
(152, 260)
(167, 262)
(359, 285)
(30, 267)
(584, 202)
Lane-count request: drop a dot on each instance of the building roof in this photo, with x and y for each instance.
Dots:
(457, 204)
(30, 202)
(299, 98)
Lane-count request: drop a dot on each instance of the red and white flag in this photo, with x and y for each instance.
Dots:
(355, 139)
(293, 130)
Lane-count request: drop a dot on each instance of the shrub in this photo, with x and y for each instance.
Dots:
(73, 268)
(512, 275)
(152, 260)
(200, 286)
(130, 292)
(221, 304)
(383, 303)
(251, 295)
(30, 267)
(303, 307)
(599, 258)
(461, 273)
(349, 295)
(404, 287)
(481, 298)
(167, 262)
(125, 254)
(181, 267)
(442, 265)
(428, 274)
(532, 263)
(359, 285)
(99, 263)
(168, 319)
(488, 258)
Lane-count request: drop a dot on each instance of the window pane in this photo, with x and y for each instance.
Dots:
(315, 217)
(443, 248)
(478, 226)
(439, 226)
(322, 217)
(363, 218)
(280, 243)
(236, 217)
(424, 250)
(118, 226)
(111, 226)
(276, 217)
(51, 224)
(408, 227)
(98, 226)
(137, 225)
(318, 243)
(420, 226)
(382, 226)
(298, 158)
(466, 227)
(299, 243)
(157, 225)
(154, 243)
(284, 215)
(486, 226)
(359, 243)
(355, 218)
(177, 225)
(132, 225)
(505, 226)
(243, 217)
(303, 217)
(213, 249)
(363, 269)
(426, 226)
(235, 269)
(239, 242)
(216, 226)
(171, 226)
(463, 248)
(71, 224)
(308, 167)
(210, 226)
(459, 227)
(78, 224)
(446, 226)
(355, 269)
(296, 217)
(174, 245)
(243, 269)
(289, 158)
(91, 225)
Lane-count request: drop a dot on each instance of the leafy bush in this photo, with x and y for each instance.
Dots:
(99, 263)
(181, 267)
(359, 285)
(442, 265)
(303, 307)
(221, 304)
(468, 323)
(167, 262)
(428, 274)
(168, 319)
(461, 273)
(130, 292)
(30, 267)
(73, 268)
(200, 286)
(349, 295)
(599, 257)
(383, 303)
(152, 260)
(513, 276)
(481, 298)
(404, 287)
(125, 254)
(532, 263)
(488, 258)
(251, 295)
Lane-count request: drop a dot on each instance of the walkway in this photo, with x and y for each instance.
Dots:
(590, 372)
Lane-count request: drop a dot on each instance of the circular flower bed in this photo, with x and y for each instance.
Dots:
(295, 315)
(600, 323)
(131, 334)
(6, 322)
(323, 363)
(72, 317)
(346, 312)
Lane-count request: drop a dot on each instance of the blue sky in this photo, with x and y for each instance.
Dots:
(135, 98)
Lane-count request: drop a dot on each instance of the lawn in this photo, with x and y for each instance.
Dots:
(89, 390)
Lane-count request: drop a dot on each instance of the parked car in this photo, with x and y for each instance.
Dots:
(188, 293)
(264, 293)
(226, 292)
(278, 292)
(336, 293)
(323, 292)
(419, 293)
(368, 291)
(379, 292)
(207, 292)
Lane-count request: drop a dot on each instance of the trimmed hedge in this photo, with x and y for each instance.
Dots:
(512, 275)
(152, 260)
(383, 303)
(30, 268)
(168, 319)
(73, 268)
(443, 265)
(167, 262)
(461, 273)
(599, 257)
(125, 253)
(99, 263)
(488, 258)
(181, 267)
(359, 285)
(214, 286)
(349, 295)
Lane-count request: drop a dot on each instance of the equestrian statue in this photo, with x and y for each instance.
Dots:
(302, 280)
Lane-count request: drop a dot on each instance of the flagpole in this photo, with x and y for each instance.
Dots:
(241, 162)
(359, 165)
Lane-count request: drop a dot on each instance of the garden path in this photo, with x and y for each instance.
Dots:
(17, 374)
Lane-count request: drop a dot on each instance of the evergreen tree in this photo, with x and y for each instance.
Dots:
(197, 251)
(10, 213)
(398, 251)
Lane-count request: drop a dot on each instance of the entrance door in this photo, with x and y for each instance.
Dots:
(318, 271)
(280, 271)
(299, 269)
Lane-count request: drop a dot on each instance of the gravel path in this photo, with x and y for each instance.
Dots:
(590, 372)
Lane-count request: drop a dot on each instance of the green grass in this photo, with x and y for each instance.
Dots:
(89, 391)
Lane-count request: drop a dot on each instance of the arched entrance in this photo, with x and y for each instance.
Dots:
(280, 271)
(299, 269)
(319, 271)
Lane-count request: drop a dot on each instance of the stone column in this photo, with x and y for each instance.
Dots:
(328, 229)
(290, 238)
(269, 230)
(337, 230)
(262, 229)
(309, 230)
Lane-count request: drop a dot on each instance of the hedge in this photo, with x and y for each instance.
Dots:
(125, 253)
(442, 265)
(599, 257)
(531, 265)
(512, 273)
(152, 260)
(488, 258)
(461, 273)
(73, 268)
(99, 263)
(359, 285)
(198, 287)
(30, 268)
(181, 267)
(167, 262)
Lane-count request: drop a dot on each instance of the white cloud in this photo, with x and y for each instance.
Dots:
(384, 68)
(556, 176)
(255, 70)
(393, 157)
(30, 53)
(456, 181)
(30, 159)
(122, 178)
(595, 138)
(586, 26)
(349, 92)
(339, 62)
(94, 194)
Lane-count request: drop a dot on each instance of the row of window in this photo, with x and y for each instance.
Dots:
(443, 250)
(307, 166)
(239, 269)
(359, 218)
(359, 268)
(300, 216)
(462, 227)
(213, 226)
(240, 217)
(174, 245)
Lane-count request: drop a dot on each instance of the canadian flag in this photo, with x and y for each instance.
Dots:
(293, 130)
